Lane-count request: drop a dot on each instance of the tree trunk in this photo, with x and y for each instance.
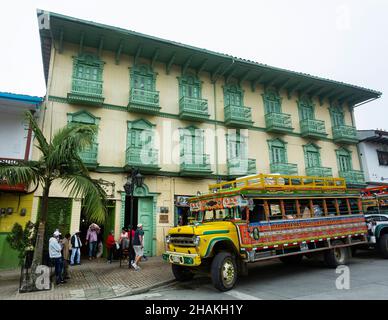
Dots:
(38, 252)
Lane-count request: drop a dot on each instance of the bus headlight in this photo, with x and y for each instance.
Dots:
(196, 241)
(168, 239)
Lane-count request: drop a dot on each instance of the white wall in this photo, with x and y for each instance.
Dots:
(13, 135)
(370, 163)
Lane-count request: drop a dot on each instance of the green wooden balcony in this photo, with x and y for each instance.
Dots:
(311, 128)
(355, 177)
(195, 165)
(145, 159)
(319, 172)
(89, 156)
(241, 167)
(278, 122)
(345, 134)
(143, 101)
(86, 92)
(193, 109)
(238, 116)
(284, 168)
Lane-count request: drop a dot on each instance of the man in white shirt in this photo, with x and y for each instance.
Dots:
(55, 252)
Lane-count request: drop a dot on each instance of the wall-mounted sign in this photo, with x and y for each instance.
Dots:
(163, 210)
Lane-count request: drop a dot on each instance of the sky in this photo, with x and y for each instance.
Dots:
(344, 40)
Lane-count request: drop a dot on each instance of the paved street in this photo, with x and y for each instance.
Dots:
(93, 281)
(274, 280)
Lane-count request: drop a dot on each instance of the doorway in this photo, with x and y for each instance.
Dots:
(105, 228)
(142, 213)
(127, 217)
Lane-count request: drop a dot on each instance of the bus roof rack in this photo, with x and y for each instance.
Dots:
(280, 182)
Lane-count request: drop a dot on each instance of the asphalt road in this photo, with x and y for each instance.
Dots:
(310, 280)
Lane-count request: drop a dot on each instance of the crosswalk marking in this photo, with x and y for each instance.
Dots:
(240, 295)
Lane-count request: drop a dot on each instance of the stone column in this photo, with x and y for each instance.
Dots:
(75, 215)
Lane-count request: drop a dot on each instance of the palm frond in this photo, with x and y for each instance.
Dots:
(22, 173)
(94, 197)
(68, 141)
(38, 134)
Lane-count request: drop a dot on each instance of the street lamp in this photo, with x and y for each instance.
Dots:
(135, 179)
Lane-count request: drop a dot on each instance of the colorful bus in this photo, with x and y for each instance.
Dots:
(263, 217)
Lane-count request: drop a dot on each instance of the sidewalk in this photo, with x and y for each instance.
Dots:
(94, 280)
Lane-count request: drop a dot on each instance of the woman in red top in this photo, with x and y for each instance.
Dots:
(110, 245)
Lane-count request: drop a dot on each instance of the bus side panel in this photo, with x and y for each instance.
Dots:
(296, 231)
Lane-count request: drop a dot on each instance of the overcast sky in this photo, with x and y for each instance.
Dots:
(340, 40)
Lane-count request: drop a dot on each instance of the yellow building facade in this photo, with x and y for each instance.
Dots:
(186, 117)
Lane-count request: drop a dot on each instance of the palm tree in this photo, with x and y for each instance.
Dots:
(59, 160)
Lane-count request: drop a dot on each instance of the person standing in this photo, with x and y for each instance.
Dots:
(110, 246)
(66, 256)
(138, 246)
(55, 250)
(91, 239)
(76, 245)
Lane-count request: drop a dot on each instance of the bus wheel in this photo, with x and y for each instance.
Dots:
(223, 271)
(336, 256)
(182, 273)
(383, 245)
(295, 259)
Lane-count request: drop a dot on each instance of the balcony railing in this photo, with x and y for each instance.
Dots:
(238, 116)
(345, 134)
(86, 92)
(193, 109)
(353, 177)
(195, 164)
(319, 172)
(143, 101)
(241, 167)
(312, 128)
(284, 168)
(89, 155)
(278, 122)
(144, 158)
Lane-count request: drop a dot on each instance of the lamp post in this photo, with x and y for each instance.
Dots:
(135, 179)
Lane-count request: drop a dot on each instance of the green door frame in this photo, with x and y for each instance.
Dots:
(142, 192)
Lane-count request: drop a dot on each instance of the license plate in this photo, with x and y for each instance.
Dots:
(175, 259)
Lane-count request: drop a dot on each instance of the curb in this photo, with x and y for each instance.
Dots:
(142, 290)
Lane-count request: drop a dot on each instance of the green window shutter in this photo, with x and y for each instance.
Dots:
(344, 160)
(337, 116)
(272, 101)
(233, 95)
(143, 78)
(306, 109)
(277, 151)
(312, 155)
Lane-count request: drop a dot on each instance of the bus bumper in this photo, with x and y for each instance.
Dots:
(183, 259)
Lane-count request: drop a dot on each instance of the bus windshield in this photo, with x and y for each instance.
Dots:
(221, 214)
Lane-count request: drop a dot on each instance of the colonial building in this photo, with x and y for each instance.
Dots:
(16, 202)
(187, 117)
(373, 148)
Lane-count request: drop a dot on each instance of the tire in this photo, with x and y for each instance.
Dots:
(291, 260)
(182, 273)
(383, 246)
(223, 271)
(336, 256)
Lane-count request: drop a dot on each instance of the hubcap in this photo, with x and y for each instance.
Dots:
(338, 254)
(228, 272)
